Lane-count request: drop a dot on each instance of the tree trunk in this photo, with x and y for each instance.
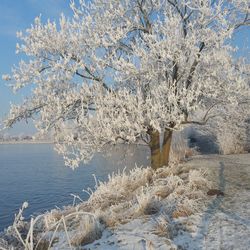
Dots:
(160, 155)
(155, 149)
(166, 146)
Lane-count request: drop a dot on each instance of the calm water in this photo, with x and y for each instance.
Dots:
(36, 173)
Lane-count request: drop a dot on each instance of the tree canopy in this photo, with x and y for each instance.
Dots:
(121, 71)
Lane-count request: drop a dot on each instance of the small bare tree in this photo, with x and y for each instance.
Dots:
(123, 71)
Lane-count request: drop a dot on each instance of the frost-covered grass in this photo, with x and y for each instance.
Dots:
(141, 194)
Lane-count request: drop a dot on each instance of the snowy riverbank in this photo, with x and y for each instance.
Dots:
(168, 209)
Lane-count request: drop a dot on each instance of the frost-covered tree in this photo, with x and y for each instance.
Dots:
(230, 131)
(129, 70)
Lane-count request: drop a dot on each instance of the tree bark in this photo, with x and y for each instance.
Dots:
(155, 149)
(166, 146)
(160, 155)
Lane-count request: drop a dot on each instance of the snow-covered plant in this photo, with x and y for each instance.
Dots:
(231, 138)
(170, 194)
(123, 71)
(230, 130)
(23, 231)
(147, 203)
(162, 226)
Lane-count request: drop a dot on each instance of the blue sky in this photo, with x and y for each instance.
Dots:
(17, 15)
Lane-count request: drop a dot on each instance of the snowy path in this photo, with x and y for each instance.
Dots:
(225, 224)
(226, 221)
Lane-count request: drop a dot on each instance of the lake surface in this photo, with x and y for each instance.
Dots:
(37, 174)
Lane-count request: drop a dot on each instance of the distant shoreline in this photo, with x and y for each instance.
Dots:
(26, 142)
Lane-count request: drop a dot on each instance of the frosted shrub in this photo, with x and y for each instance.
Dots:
(88, 230)
(119, 187)
(232, 132)
(147, 203)
(197, 180)
(148, 193)
(232, 139)
(162, 226)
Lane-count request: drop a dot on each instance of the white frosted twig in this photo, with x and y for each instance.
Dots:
(66, 232)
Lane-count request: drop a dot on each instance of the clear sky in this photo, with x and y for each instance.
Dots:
(17, 15)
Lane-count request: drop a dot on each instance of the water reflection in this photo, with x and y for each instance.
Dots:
(36, 173)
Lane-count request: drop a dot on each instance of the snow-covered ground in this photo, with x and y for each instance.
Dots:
(169, 209)
(224, 223)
